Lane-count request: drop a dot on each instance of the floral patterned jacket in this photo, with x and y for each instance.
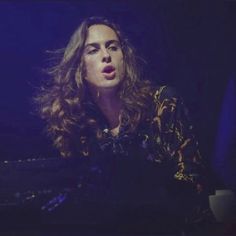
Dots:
(167, 134)
(165, 139)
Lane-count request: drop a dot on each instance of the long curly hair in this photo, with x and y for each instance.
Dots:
(60, 100)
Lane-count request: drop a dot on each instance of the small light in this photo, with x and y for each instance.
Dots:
(106, 131)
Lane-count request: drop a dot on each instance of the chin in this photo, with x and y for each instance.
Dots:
(109, 84)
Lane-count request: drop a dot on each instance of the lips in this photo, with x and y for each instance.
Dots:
(109, 72)
(108, 69)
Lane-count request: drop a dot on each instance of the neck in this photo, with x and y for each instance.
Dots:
(109, 103)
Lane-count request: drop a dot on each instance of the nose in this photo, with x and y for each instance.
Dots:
(106, 57)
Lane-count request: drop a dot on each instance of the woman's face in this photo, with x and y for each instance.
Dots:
(103, 58)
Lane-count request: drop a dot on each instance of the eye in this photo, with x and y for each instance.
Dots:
(113, 48)
(92, 51)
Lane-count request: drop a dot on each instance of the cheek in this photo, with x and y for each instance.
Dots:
(122, 68)
(87, 65)
(89, 68)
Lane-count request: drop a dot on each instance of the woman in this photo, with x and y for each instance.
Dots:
(96, 106)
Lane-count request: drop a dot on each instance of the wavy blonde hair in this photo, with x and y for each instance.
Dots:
(60, 100)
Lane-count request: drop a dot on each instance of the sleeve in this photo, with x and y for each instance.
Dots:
(179, 144)
(177, 137)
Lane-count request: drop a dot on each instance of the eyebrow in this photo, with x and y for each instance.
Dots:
(107, 44)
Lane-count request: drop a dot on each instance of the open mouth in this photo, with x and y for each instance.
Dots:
(108, 69)
(109, 72)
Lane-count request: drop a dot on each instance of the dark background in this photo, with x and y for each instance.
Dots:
(187, 44)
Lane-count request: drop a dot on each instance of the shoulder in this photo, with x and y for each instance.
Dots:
(165, 92)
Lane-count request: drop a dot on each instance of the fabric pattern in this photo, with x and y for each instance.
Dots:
(165, 139)
(166, 135)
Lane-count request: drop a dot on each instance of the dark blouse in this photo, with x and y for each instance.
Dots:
(166, 135)
(158, 164)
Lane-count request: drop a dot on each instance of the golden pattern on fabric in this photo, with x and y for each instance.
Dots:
(163, 139)
(167, 134)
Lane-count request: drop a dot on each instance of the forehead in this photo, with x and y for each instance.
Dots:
(100, 34)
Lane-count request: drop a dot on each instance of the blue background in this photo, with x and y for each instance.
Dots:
(188, 45)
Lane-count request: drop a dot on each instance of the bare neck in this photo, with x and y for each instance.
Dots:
(110, 105)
